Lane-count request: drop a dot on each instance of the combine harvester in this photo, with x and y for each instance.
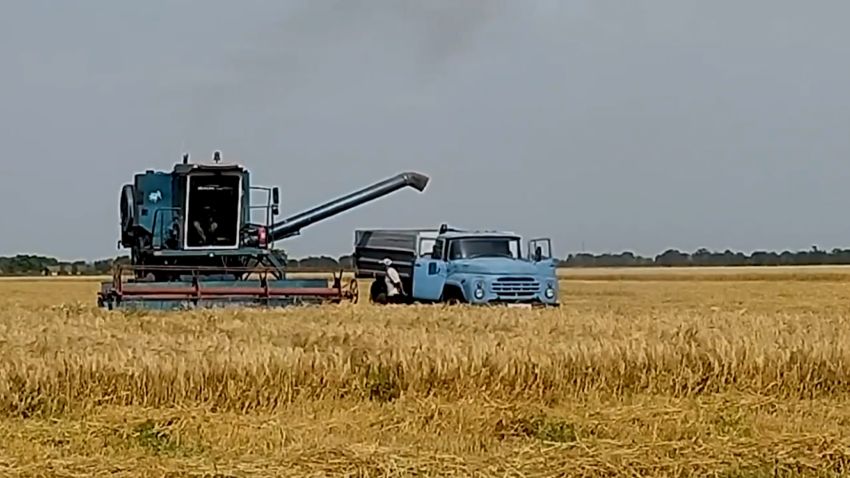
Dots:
(193, 243)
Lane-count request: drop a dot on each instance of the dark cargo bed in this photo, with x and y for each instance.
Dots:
(372, 246)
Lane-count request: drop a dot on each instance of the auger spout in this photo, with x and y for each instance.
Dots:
(294, 224)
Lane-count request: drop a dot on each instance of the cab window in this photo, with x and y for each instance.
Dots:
(438, 249)
(426, 247)
(475, 247)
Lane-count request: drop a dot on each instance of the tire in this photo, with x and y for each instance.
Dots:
(453, 296)
(378, 292)
(127, 213)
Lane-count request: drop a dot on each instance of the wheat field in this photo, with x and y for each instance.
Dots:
(725, 372)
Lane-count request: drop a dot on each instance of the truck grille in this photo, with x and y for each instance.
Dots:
(508, 287)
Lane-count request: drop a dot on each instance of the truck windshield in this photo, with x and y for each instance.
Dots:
(472, 247)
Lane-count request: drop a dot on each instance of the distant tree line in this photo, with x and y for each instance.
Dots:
(28, 265)
(704, 257)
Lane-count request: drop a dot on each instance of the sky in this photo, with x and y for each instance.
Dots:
(605, 125)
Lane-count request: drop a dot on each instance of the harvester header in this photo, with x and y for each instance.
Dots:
(196, 238)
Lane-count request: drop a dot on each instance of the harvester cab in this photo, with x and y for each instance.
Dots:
(198, 237)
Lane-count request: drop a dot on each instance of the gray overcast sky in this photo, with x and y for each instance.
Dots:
(621, 125)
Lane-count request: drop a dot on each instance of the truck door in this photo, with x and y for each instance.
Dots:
(540, 249)
(429, 274)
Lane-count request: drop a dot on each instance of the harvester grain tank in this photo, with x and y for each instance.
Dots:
(197, 239)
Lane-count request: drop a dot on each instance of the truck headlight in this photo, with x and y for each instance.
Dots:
(550, 292)
(479, 291)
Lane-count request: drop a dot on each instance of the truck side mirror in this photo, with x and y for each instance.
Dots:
(275, 200)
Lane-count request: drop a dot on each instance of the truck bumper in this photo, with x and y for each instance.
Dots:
(535, 301)
(532, 305)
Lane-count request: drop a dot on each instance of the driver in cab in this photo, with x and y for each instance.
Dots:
(206, 229)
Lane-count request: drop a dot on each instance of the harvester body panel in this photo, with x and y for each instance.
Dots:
(155, 200)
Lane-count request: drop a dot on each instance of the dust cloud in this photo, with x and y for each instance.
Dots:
(313, 54)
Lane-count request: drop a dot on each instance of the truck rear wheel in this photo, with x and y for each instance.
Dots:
(378, 292)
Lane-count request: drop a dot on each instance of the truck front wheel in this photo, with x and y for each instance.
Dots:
(453, 295)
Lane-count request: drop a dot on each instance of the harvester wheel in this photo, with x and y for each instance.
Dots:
(354, 290)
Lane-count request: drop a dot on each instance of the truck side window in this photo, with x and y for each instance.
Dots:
(425, 250)
(438, 250)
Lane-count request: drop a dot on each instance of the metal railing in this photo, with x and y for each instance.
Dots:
(269, 206)
(164, 217)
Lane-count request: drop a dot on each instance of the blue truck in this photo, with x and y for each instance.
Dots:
(458, 266)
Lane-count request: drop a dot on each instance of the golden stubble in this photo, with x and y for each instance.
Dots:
(737, 372)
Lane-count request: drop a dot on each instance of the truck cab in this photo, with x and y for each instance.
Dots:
(450, 265)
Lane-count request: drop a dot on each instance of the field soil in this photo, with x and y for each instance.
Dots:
(733, 372)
